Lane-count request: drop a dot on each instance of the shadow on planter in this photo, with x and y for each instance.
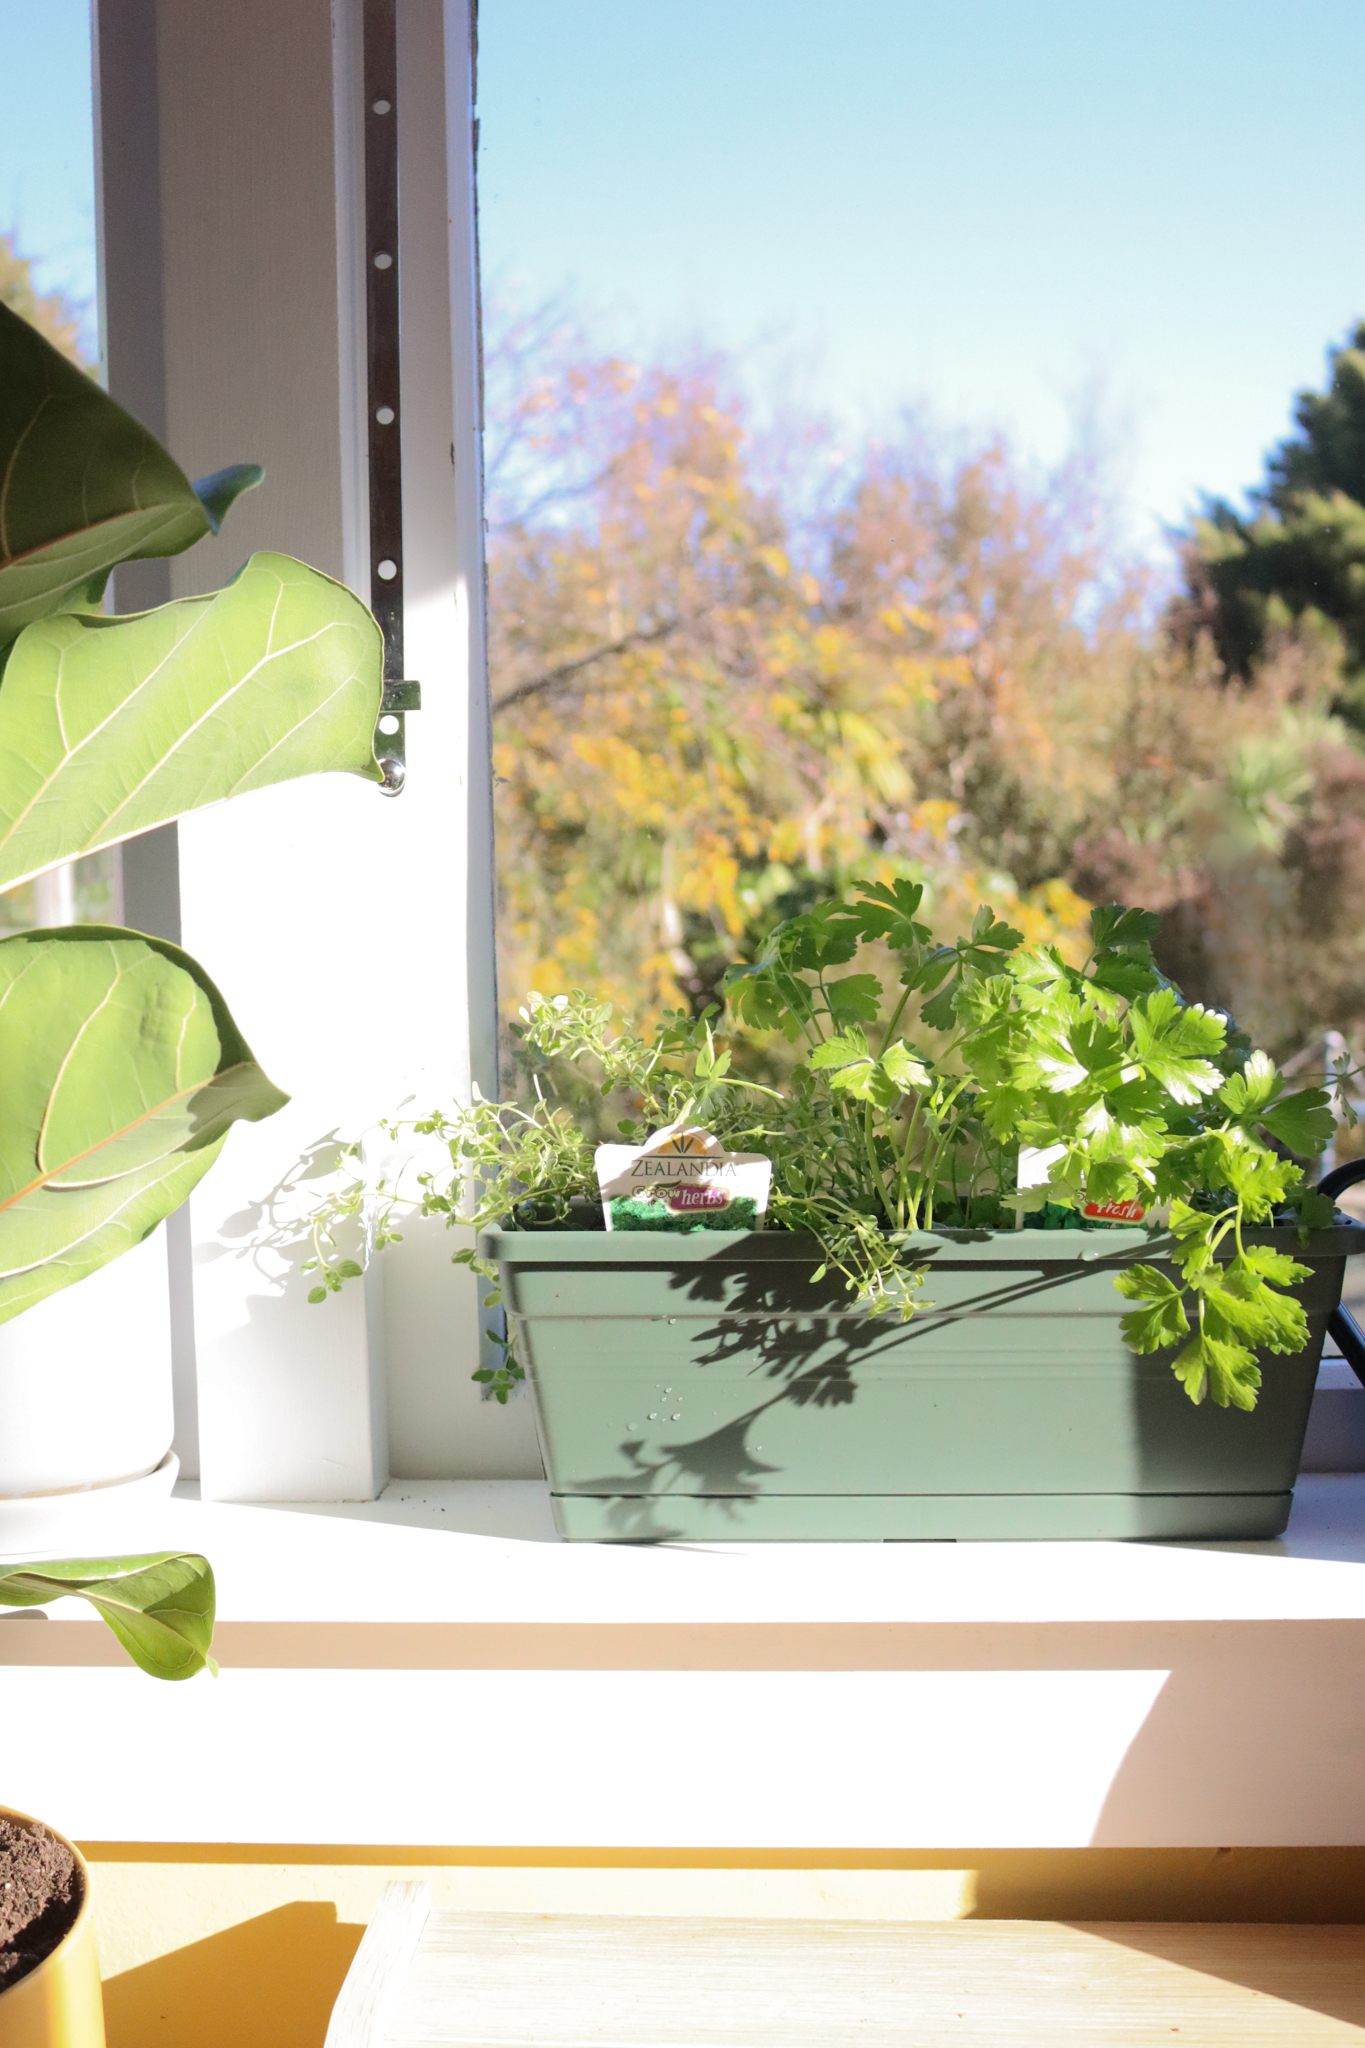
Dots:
(272, 1979)
(755, 1339)
(719, 1389)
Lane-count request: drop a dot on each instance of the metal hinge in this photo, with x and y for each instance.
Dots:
(383, 381)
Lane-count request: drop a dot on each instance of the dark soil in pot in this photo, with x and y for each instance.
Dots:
(41, 1892)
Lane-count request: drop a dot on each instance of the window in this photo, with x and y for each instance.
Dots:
(872, 408)
(812, 547)
(47, 273)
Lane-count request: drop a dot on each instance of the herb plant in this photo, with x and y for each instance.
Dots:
(533, 1160)
(1101, 1071)
(974, 1086)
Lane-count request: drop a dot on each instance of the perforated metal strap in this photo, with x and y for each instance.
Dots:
(384, 378)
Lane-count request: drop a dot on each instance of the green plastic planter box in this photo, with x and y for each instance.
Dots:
(707, 1387)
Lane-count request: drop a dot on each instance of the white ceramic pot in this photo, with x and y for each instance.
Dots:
(85, 1381)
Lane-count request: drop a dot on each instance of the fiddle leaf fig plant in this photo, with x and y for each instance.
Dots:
(111, 726)
(123, 1067)
(125, 1072)
(161, 1607)
(84, 485)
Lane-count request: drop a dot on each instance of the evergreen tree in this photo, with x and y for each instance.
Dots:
(1296, 556)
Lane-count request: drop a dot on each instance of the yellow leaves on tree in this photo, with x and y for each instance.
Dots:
(729, 674)
(697, 711)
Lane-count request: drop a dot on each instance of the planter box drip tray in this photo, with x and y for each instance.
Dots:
(917, 1518)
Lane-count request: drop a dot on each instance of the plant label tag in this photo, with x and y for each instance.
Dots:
(682, 1179)
(1116, 1212)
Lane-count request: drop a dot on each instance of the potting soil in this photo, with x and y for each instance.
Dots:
(40, 1895)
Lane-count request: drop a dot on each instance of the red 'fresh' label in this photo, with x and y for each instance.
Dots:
(695, 1197)
(1114, 1212)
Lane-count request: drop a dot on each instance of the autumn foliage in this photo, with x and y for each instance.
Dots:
(734, 666)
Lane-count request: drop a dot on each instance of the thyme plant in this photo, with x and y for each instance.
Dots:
(976, 1086)
(532, 1160)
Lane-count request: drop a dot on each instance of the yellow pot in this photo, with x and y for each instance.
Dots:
(58, 2005)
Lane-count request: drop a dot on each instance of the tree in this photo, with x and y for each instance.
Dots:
(52, 313)
(1296, 557)
(709, 708)
(731, 672)
(1238, 816)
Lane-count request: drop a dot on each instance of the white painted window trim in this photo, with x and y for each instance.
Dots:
(352, 937)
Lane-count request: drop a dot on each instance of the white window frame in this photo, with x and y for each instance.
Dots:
(353, 937)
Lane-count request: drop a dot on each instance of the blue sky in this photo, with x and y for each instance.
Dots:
(47, 172)
(983, 205)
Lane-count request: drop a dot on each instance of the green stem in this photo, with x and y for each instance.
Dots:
(907, 1203)
(896, 1016)
(946, 1132)
(878, 1180)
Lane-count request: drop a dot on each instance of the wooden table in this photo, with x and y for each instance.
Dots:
(502, 1980)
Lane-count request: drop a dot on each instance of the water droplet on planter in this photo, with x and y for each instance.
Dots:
(653, 1415)
(678, 1416)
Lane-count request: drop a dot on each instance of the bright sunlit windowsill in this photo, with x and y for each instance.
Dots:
(434, 1668)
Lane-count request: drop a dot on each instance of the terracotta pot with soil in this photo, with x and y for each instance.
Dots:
(49, 1972)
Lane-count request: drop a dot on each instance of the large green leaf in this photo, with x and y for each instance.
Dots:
(123, 1071)
(109, 726)
(160, 1607)
(82, 485)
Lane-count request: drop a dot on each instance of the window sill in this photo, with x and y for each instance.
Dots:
(434, 1668)
(1336, 1421)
